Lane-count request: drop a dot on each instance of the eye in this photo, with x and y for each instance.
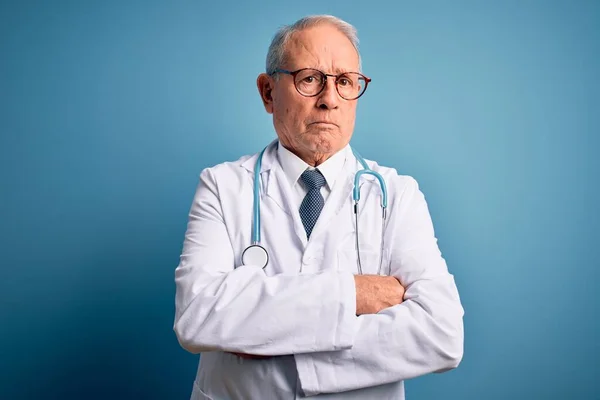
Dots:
(345, 81)
(311, 79)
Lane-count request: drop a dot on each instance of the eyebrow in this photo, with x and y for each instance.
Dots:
(336, 71)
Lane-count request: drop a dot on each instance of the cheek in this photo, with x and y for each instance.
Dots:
(291, 114)
(284, 105)
(285, 114)
(350, 114)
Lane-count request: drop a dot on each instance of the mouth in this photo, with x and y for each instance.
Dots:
(322, 123)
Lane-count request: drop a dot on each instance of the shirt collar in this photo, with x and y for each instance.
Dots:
(293, 166)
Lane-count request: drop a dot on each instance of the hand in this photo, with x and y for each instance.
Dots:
(375, 293)
(250, 356)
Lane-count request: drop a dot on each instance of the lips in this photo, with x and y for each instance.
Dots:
(322, 123)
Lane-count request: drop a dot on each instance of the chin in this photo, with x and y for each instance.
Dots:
(322, 141)
(320, 145)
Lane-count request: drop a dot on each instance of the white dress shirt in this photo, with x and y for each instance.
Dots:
(293, 167)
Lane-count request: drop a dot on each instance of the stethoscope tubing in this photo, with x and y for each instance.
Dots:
(256, 245)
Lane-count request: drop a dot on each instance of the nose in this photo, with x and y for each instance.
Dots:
(329, 98)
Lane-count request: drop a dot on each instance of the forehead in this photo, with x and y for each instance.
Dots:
(323, 47)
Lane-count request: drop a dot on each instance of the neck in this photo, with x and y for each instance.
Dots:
(313, 159)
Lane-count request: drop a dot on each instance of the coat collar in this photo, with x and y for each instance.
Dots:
(275, 186)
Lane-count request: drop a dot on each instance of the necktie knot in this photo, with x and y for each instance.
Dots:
(313, 179)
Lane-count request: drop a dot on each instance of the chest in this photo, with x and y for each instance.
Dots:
(333, 242)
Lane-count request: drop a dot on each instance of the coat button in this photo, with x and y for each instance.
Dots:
(309, 259)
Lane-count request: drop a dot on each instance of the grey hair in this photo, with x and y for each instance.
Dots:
(276, 54)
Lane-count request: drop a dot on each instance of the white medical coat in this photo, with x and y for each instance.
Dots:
(301, 309)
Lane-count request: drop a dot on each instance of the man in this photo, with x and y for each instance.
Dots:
(347, 307)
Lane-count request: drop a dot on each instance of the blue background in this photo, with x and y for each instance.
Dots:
(109, 111)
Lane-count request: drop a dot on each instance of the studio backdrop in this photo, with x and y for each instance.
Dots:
(109, 111)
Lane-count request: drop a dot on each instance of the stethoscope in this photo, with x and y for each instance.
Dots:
(256, 254)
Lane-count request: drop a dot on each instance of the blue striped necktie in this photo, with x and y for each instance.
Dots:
(313, 201)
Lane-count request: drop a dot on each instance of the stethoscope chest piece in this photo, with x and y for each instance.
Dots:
(255, 255)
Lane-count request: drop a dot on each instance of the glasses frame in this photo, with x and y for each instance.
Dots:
(296, 72)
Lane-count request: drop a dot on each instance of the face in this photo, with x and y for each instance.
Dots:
(314, 128)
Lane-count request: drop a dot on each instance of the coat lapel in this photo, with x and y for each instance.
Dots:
(339, 196)
(275, 187)
(280, 192)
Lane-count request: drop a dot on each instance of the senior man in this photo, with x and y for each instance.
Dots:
(285, 287)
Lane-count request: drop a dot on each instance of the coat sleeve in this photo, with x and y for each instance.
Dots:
(222, 308)
(424, 334)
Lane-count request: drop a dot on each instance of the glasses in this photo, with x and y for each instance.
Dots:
(310, 82)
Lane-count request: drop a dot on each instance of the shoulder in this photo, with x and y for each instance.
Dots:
(405, 197)
(226, 171)
(221, 181)
(244, 166)
(397, 184)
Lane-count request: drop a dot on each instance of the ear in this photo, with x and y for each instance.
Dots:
(265, 88)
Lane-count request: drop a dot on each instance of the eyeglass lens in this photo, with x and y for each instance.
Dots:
(310, 82)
